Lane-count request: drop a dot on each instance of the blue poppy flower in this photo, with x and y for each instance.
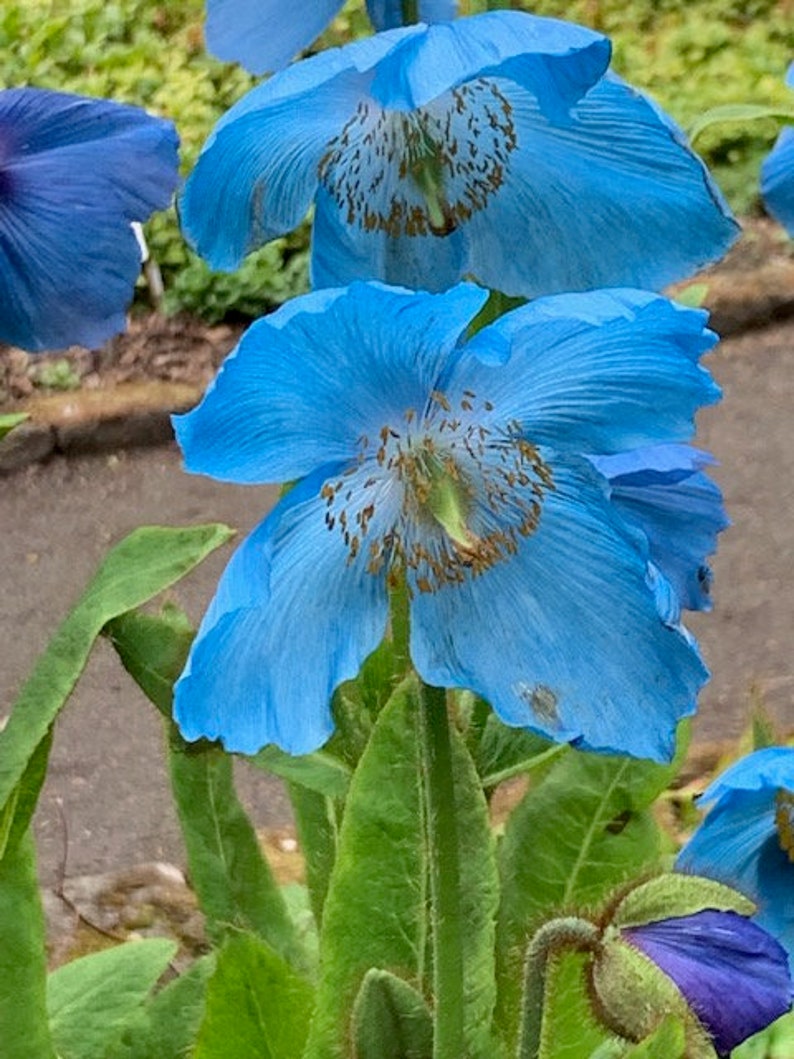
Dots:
(74, 174)
(262, 36)
(747, 837)
(666, 492)
(460, 464)
(777, 174)
(732, 973)
(495, 146)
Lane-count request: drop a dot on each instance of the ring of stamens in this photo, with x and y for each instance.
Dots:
(424, 171)
(467, 493)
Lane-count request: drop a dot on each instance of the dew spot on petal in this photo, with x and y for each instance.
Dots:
(541, 700)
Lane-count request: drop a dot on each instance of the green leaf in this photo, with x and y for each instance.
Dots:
(316, 821)
(667, 1042)
(168, 1025)
(503, 752)
(234, 883)
(153, 649)
(390, 1020)
(10, 420)
(377, 910)
(24, 1029)
(737, 112)
(582, 831)
(320, 772)
(143, 564)
(775, 1042)
(91, 1001)
(257, 1007)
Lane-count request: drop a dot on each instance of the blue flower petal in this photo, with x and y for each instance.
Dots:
(765, 769)
(559, 61)
(339, 255)
(293, 618)
(387, 14)
(74, 174)
(738, 842)
(664, 491)
(609, 370)
(612, 196)
(256, 176)
(260, 34)
(565, 637)
(732, 973)
(777, 173)
(777, 180)
(307, 383)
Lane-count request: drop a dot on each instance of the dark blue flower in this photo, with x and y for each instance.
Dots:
(747, 837)
(263, 35)
(495, 146)
(732, 973)
(665, 491)
(74, 174)
(461, 465)
(777, 174)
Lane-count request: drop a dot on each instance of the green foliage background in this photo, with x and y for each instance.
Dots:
(690, 55)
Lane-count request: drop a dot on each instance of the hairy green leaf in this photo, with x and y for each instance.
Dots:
(92, 1000)
(257, 1007)
(142, 565)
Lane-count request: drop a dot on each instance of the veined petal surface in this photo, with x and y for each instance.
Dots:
(306, 385)
(74, 174)
(263, 35)
(525, 633)
(732, 973)
(293, 618)
(609, 370)
(664, 491)
(611, 196)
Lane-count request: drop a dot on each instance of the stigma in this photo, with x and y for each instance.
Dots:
(440, 496)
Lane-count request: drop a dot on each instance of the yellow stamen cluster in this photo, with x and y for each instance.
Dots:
(421, 172)
(462, 494)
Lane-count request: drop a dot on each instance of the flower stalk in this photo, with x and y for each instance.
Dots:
(442, 840)
(410, 12)
(568, 933)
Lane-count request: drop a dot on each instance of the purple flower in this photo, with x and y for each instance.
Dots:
(733, 975)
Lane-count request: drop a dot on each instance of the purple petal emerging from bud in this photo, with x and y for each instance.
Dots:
(732, 973)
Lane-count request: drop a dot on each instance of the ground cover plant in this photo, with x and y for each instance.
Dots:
(492, 524)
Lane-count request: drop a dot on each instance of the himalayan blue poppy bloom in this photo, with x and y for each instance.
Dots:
(262, 35)
(74, 174)
(679, 508)
(460, 465)
(732, 973)
(777, 174)
(496, 147)
(747, 837)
